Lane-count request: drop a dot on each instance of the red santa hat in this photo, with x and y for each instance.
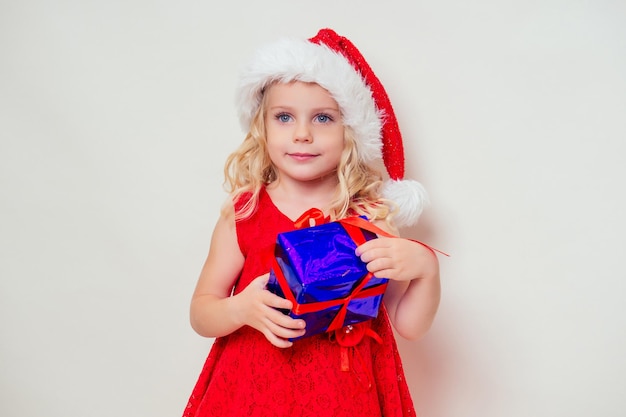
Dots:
(334, 63)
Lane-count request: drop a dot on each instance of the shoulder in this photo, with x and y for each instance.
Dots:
(226, 224)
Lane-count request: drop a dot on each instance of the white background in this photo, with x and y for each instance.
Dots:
(115, 121)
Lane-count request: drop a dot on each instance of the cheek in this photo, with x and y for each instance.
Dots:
(340, 141)
(276, 133)
(274, 146)
(332, 135)
(272, 137)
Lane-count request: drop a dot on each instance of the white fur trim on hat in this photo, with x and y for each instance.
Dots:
(410, 197)
(300, 60)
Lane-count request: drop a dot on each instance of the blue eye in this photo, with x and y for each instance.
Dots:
(324, 118)
(283, 117)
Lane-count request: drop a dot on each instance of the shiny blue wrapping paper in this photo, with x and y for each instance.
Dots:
(319, 264)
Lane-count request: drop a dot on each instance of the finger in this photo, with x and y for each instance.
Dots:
(285, 321)
(261, 280)
(370, 244)
(379, 265)
(368, 256)
(380, 247)
(374, 254)
(284, 332)
(279, 335)
(276, 301)
(276, 341)
(385, 273)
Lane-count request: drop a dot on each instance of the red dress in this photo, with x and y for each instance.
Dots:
(245, 375)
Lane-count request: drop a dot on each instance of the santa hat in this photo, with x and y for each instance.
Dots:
(334, 63)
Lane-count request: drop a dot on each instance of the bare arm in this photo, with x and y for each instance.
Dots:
(413, 294)
(214, 312)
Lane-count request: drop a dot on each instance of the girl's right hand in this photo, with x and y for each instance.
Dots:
(257, 307)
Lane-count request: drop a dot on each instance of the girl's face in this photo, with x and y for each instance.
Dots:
(304, 130)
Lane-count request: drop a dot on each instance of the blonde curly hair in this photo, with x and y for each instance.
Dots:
(249, 168)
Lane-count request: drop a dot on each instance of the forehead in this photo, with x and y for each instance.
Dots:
(298, 93)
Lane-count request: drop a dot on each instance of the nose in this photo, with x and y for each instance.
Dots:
(303, 133)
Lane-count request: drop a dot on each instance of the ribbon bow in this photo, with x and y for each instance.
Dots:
(311, 217)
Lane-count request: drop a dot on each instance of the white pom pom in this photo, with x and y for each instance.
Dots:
(410, 197)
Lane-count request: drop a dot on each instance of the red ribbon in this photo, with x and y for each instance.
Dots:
(313, 214)
(361, 223)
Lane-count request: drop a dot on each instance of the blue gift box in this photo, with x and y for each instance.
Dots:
(317, 269)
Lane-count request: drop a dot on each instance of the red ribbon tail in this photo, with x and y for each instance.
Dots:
(364, 224)
(345, 358)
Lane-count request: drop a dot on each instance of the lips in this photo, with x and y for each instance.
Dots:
(301, 156)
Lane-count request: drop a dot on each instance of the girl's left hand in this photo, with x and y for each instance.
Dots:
(397, 258)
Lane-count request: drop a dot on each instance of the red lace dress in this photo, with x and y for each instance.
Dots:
(321, 375)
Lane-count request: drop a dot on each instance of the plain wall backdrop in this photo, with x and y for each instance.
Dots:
(116, 118)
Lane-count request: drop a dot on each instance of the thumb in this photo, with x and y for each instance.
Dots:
(261, 281)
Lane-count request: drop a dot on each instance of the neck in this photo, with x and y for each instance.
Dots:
(294, 198)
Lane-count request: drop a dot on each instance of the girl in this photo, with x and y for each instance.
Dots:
(317, 118)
